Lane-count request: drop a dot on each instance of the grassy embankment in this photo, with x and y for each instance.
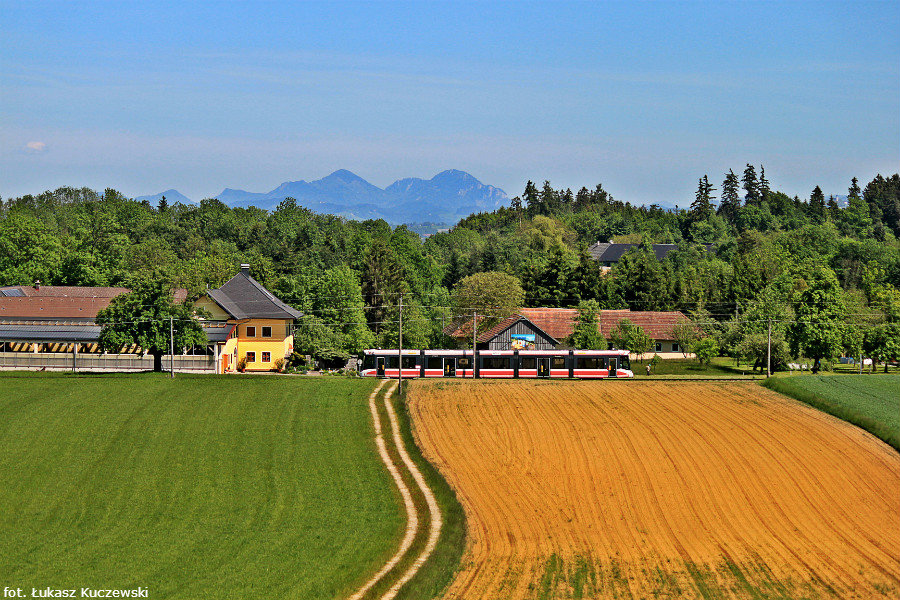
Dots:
(197, 487)
(868, 401)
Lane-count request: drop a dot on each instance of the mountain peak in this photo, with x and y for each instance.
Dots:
(345, 176)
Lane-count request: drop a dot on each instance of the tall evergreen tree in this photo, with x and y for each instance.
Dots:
(701, 208)
(532, 198)
(764, 187)
(817, 205)
(751, 186)
(731, 202)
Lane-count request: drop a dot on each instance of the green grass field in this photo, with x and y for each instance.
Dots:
(197, 487)
(686, 368)
(868, 401)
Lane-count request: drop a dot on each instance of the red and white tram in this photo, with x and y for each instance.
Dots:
(493, 364)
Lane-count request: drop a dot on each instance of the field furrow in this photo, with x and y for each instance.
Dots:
(663, 489)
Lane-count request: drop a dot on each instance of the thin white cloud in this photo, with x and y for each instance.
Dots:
(35, 147)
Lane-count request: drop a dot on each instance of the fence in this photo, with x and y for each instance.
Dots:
(60, 361)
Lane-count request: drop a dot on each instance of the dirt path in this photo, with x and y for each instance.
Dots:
(665, 490)
(412, 514)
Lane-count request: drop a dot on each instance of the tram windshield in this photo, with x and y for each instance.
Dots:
(625, 363)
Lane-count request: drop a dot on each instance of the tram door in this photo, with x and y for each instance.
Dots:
(613, 366)
(379, 366)
(543, 367)
(449, 367)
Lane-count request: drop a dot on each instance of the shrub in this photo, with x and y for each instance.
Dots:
(279, 365)
(242, 364)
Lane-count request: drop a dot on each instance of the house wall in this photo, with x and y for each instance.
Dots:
(280, 345)
(214, 309)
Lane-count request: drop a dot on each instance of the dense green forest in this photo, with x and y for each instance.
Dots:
(827, 275)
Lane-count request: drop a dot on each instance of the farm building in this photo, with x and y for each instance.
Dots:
(54, 327)
(549, 328)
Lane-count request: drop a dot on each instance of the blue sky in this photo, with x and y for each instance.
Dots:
(643, 97)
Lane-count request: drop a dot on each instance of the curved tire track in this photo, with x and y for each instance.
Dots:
(412, 513)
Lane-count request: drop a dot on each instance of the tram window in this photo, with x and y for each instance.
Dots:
(559, 362)
(464, 363)
(390, 362)
(495, 362)
(528, 362)
(624, 363)
(368, 362)
(433, 362)
(584, 362)
(409, 362)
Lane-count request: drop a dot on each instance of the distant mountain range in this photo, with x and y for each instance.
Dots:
(445, 198)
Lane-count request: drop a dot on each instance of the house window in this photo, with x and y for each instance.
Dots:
(675, 347)
(267, 332)
(251, 357)
(251, 331)
(267, 357)
(659, 346)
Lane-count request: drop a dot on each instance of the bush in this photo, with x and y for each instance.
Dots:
(242, 365)
(279, 365)
(706, 349)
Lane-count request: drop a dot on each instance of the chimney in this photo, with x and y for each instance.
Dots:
(37, 284)
(245, 269)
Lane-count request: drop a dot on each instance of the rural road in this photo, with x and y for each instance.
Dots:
(412, 514)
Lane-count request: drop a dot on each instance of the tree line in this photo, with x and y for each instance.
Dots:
(774, 257)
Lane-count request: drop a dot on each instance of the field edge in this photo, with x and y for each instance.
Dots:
(787, 387)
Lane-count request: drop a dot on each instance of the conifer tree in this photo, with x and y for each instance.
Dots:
(764, 188)
(751, 186)
(731, 202)
(817, 205)
(701, 208)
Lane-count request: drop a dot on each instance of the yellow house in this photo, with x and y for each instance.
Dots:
(257, 326)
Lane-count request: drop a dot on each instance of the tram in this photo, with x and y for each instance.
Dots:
(497, 364)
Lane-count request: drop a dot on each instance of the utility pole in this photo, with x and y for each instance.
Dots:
(474, 338)
(171, 347)
(400, 351)
(769, 352)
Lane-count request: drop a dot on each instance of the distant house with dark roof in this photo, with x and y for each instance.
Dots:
(549, 328)
(259, 325)
(608, 254)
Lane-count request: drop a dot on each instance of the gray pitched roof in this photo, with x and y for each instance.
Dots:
(245, 298)
(609, 252)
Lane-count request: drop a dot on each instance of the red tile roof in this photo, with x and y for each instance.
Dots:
(462, 328)
(560, 322)
(62, 302)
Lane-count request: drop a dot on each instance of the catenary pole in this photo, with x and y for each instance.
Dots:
(769, 352)
(171, 347)
(400, 351)
(474, 337)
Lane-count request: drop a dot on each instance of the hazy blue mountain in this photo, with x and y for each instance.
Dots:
(445, 198)
(172, 196)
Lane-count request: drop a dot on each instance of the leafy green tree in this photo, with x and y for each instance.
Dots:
(628, 336)
(705, 349)
(339, 303)
(819, 307)
(586, 332)
(882, 343)
(142, 317)
(642, 279)
(686, 335)
(493, 294)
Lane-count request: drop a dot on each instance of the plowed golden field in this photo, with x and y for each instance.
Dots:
(660, 490)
